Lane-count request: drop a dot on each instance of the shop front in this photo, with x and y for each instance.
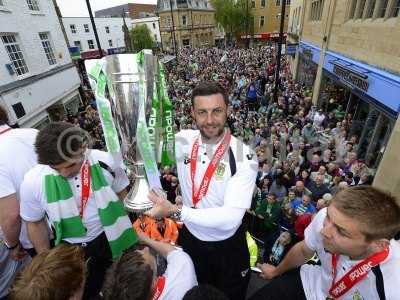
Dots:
(368, 96)
(308, 65)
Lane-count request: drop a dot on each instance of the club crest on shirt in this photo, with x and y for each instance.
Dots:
(220, 171)
(186, 160)
(249, 156)
(357, 296)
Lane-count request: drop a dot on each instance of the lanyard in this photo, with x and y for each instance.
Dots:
(355, 275)
(159, 287)
(85, 178)
(212, 166)
(5, 130)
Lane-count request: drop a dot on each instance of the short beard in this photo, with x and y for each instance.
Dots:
(208, 138)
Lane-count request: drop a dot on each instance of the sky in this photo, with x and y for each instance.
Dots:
(78, 8)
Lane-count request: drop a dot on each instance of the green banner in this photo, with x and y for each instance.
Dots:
(168, 150)
(98, 81)
(142, 133)
(154, 124)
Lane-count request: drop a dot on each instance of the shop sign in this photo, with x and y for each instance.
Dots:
(291, 49)
(116, 50)
(354, 78)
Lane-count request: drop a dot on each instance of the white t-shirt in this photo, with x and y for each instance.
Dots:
(180, 276)
(318, 279)
(34, 202)
(224, 190)
(17, 156)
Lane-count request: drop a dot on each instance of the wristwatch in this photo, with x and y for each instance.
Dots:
(11, 247)
(177, 215)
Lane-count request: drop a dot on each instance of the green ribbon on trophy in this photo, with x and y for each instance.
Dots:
(143, 137)
(98, 80)
(168, 149)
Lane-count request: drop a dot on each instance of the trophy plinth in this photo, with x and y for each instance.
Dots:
(137, 199)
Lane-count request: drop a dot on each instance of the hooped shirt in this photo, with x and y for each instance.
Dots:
(317, 280)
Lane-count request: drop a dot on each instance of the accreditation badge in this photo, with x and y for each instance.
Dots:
(357, 296)
(220, 171)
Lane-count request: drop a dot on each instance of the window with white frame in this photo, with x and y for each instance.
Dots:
(86, 27)
(33, 5)
(78, 44)
(107, 29)
(90, 44)
(395, 9)
(253, 4)
(278, 2)
(382, 8)
(73, 28)
(262, 3)
(371, 8)
(15, 54)
(110, 43)
(154, 25)
(287, 2)
(48, 49)
(184, 21)
(1, 3)
(262, 20)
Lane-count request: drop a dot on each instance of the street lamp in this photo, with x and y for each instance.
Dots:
(173, 30)
(278, 57)
(94, 28)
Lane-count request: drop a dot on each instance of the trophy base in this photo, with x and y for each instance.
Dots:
(137, 199)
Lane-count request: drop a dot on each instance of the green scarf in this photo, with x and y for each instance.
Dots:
(63, 211)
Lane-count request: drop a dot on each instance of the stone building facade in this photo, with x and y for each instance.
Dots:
(267, 18)
(348, 52)
(190, 23)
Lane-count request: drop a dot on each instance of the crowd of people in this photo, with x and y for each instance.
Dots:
(305, 154)
(278, 171)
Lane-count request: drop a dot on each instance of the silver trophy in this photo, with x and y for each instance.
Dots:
(131, 87)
